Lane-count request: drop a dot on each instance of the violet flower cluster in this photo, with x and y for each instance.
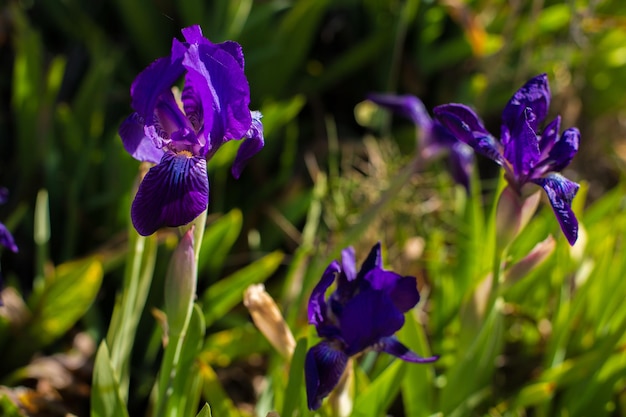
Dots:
(365, 310)
(526, 155)
(179, 134)
(435, 139)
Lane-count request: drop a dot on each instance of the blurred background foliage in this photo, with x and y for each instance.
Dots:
(331, 173)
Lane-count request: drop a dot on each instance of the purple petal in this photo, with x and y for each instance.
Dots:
(393, 347)
(153, 81)
(317, 301)
(219, 80)
(368, 317)
(522, 148)
(535, 94)
(135, 141)
(323, 367)
(467, 127)
(402, 290)
(173, 193)
(251, 145)
(408, 106)
(564, 149)
(6, 239)
(373, 260)
(348, 263)
(461, 163)
(550, 135)
(561, 192)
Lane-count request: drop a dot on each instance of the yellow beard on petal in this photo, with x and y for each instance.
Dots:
(185, 153)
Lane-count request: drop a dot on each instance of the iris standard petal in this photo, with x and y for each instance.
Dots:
(323, 367)
(467, 127)
(317, 302)
(535, 94)
(564, 149)
(220, 81)
(393, 347)
(368, 317)
(522, 150)
(373, 260)
(153, 81)
(550, 135)
(348, 263)
(402, 290)
(252, 144)
(136, 142)
(173, 193)
(6, 239)
(561, 192)
(408, 106)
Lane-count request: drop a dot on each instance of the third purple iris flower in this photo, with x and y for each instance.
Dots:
(525, 153)
(179, 134)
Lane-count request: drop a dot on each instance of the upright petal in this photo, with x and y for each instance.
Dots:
(467, 127)
(550, 135)
(393, 347)
(317, 302)
(408, 106)
(402, 290)
(323, 367)
(173, 193)
(522, 149)
(564, 149)
(561, 192)
(6, 239)
(368, 317)
(135, 141)
(218, 78)
(535, 94)
(373, 260)
(348, 263)
(251, 145)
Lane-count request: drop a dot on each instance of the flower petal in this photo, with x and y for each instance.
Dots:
(348, 263)
(251, 145)
(521, 149)
(6, 239)
(317, 301)
(373, 260)
(153, 81)
(561, 192)
(535, 94)
(467, 127)
(323, 367)
(368, 317)
(219, 80)
(408, 106)
(550, 135)
(173, 193)
(135, 141)
(461, 163)
(393, 347)
(564, 149)
(402, 290)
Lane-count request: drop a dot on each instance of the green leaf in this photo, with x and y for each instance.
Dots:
(222, 296)
(106, 400)
(219, 237)
(205, 412)
(378, 396)
(294, 390)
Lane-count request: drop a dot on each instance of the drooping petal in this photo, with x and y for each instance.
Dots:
(317, 302)
(393, 347)
(153, 81)
(461, 163)
(467, 127)
(6, 239)
(136, 142)
(323, 367)
(564, 149)
(251, 145)
(522, 149)
(173, 193)
(408, 106)
(368, 317)
(221, 83)
(561, 192)
(535, 94)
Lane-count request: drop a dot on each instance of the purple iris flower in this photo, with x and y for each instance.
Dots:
(525, 154)
(179, 134)
(6, 238)
(435, 139)
(364, 311)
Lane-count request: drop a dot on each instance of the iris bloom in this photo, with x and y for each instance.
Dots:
(179, 134)
(6, 238)
(435, 139)
(364, 311)
(526, 155)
